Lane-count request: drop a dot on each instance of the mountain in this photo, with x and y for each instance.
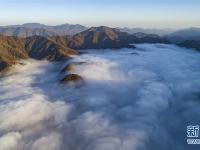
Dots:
(31, 29)
(191, 44)
(39, 47)
(184, 34)
(160, 32)
(98, 38)
(13, 49)
(64, 29)
(147, 38)
(62, 40)
(25, 32)
(34, 25)
(67, 29)
(105, 37)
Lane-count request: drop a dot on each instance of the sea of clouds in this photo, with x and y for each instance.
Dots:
(132, 99)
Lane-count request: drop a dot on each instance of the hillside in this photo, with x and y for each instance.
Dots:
(13, 49)
(99, 37)
(42, 48)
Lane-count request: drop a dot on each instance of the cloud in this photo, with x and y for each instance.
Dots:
(11, 141)
(128, 102)
(49, 142)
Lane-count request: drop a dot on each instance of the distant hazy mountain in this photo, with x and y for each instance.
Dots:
(159, 32)
(187, 33)
(34, 25)
(25, 32)
(67, 29)
(147, 38)
(191, 44)
(31, 29)
(64, 29)
(184, 34)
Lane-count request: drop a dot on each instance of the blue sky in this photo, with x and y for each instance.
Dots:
(129, 13)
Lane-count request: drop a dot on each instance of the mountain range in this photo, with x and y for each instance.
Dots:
(105, 38)
(35, 41)
(184, 34)
(160, 32)
(13, 48)
(31, 29)
(195, 44)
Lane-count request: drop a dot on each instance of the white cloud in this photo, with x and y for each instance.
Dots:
(49, 142)
(127, 102)
(11, 141)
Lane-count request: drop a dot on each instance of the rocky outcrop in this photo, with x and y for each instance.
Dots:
(72, 80)
(3, 65)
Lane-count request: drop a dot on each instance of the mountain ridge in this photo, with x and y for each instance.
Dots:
(192, 33)
(160, 32)
(58, 47)
(12, 49)
(105, 37)
(36, 28)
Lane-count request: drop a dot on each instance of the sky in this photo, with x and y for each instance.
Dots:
(114, 13)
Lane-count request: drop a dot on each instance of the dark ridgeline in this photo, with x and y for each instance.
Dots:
(160, 32)
(195, 44)
(184, 35)
(147, 38)
(59, 47)
(189, 38)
